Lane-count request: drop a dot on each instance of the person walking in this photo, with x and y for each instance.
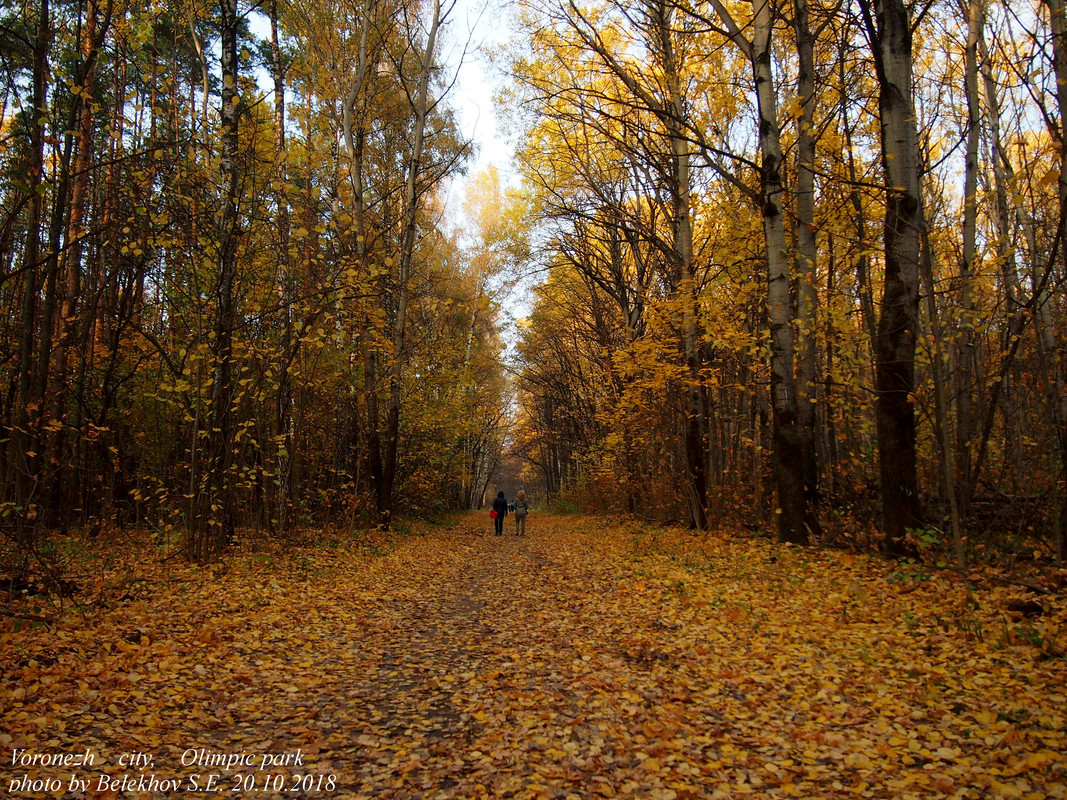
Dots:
(500, 506)
(520, 508)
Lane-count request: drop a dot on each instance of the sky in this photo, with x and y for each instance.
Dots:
(485, 24)
(478, 27)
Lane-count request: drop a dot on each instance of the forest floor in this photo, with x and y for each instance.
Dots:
(585, 660)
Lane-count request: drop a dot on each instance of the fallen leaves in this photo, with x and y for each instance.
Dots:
(579, 661)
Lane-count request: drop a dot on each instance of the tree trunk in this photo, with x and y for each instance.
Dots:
(889, 30)
(284, 403)
(941, 408)
(965, 350)
(71, 336)
(412, 193)
(807, 252)
(25, 457)
(218, 516)
(1052, 346)
(696, 440)
(1003, 179)
(796, 522)
(863, 268)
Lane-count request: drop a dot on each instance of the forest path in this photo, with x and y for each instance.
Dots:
(471, 688)
(581, 661)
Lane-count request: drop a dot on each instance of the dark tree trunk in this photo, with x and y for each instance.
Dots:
(25, 456)
(405, 268)
(218, 515)
(807, 252)
(889, 29)
(1053, 349)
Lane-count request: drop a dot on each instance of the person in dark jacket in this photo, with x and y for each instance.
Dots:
(500, 506)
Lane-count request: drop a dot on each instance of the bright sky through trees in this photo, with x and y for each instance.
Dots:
(477, 29)
(485, 23)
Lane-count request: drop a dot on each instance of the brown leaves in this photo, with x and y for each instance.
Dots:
(568, 663)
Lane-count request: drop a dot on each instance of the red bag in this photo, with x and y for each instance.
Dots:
(492, 514)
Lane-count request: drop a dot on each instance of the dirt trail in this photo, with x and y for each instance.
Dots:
(485, 642)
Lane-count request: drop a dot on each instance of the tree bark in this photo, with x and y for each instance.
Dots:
(284, 402)
(696, 440)
(218, 515)
(25, 462)
(796, 523)
(807, 252)
(1052, 346)
(889, 29)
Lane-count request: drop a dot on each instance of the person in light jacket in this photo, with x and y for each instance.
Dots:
(520, 509)
(500, 506)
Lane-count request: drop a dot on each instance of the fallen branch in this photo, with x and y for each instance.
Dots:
(29, 617)
(969, 574)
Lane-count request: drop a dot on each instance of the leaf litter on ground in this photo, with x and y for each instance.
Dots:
(587, 659)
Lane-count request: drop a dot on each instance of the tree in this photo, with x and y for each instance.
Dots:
(793, 441)
(889, 30)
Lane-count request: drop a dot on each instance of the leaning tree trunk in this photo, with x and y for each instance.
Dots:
(412, 192)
